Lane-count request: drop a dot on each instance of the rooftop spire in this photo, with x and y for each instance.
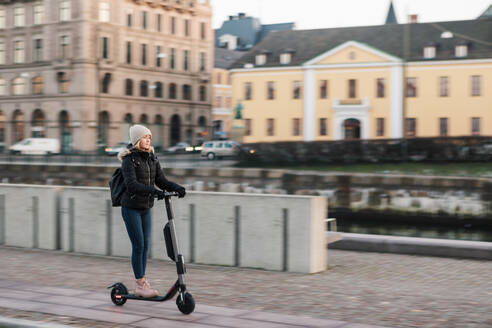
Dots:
(391, 17)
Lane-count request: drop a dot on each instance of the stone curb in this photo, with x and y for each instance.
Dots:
(19, 323)
(415, 246)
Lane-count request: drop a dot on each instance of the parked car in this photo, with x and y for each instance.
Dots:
(219, 149)
(180, 147)
(36, 146)
(113, 151)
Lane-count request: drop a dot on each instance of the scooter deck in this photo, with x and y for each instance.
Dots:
(151, 299)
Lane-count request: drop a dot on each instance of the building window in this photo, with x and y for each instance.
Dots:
(159, 23)
(158, 90)
(380, 127)
(104, 11)
(2, 18)
(38, 50)
(352, 88)
(129, 20)
(19, 54)
(63, 82)
(19, 17)
(172, 59)
(173, 25)
(270, 90)
(475, 126)
(38, 14)
(158, 56)
(429, 52)
(323, 89)
(476, 85)
(186, 58)
(218, 101)
(202, 62)
(105, 46)
(64, 46)
(322, 127)
(247, 127)
(461, 51)
(19, 86)
(187, 27)
(260, 59)
(443, 86)
(37, 85)
(203, 33)
(172, 91)
(3, 87)
(144, 88)
(203, 93)
(411, 87)
(228, 103)
(219, 78)
(65, 11)
(128, 52)
(187, 92)
(443, 126)
(296, 90)
(285, 58)
(410, 127)
(144, 20)
(144, 54)
(380, 85)
(129, 87)
(296, 127)
(270, 127)
(105, 83)
(248, 91)
(2, 53)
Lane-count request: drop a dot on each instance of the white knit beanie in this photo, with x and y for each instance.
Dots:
(137, 132)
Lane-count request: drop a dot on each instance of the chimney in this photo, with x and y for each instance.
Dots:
(413, 19)
(231, 18)
(241, 15)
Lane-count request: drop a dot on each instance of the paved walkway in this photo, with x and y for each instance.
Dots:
(357, 291)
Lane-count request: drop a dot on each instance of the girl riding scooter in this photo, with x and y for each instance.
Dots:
(141, 171)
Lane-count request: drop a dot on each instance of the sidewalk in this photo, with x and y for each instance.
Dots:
(359, 290)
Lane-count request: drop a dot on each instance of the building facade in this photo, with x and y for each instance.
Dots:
(387, 81)
(85, 70)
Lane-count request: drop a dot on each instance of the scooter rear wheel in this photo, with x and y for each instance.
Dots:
(118, 290)
(187, 305)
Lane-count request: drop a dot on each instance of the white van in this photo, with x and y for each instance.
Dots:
(219, 148)
(36, 146)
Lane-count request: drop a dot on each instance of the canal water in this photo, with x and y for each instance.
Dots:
(425, 227)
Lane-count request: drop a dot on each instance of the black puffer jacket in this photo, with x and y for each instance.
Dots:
(142, 171)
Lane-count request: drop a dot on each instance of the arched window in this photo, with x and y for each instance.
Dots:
(103, 128)
(18, 123)
(129, 87)
(19, 86)
(144, 88)
(159, 132)
(203, 93)
(172, 91)
(37, 85)
(186, 92)
(158, 90)
(65, 133)
(38, 124)
(2, 128)
(175, 131)
(144, 119)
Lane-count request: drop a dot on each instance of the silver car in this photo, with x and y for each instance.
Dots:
(219, 148)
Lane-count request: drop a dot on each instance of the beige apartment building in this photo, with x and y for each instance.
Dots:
(84, 70)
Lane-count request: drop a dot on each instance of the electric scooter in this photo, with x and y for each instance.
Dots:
(184, 301)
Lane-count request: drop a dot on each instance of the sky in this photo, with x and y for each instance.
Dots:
(312, 14)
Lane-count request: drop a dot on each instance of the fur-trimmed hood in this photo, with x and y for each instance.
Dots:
(125, 152)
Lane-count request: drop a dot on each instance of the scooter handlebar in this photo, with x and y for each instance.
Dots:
(169, 194)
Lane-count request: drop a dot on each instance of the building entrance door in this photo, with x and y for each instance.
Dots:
(351, 128)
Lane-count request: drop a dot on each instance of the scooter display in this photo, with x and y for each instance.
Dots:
(184, 301)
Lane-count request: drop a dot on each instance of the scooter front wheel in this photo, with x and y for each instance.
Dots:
(186, 305)
(117, 294)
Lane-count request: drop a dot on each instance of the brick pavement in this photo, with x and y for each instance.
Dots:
(359, 288)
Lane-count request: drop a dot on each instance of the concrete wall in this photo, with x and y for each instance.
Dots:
(273, 232)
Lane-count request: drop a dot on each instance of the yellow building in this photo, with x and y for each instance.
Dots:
(387, 81)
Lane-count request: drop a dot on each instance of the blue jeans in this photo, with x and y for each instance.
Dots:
(138, 224)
